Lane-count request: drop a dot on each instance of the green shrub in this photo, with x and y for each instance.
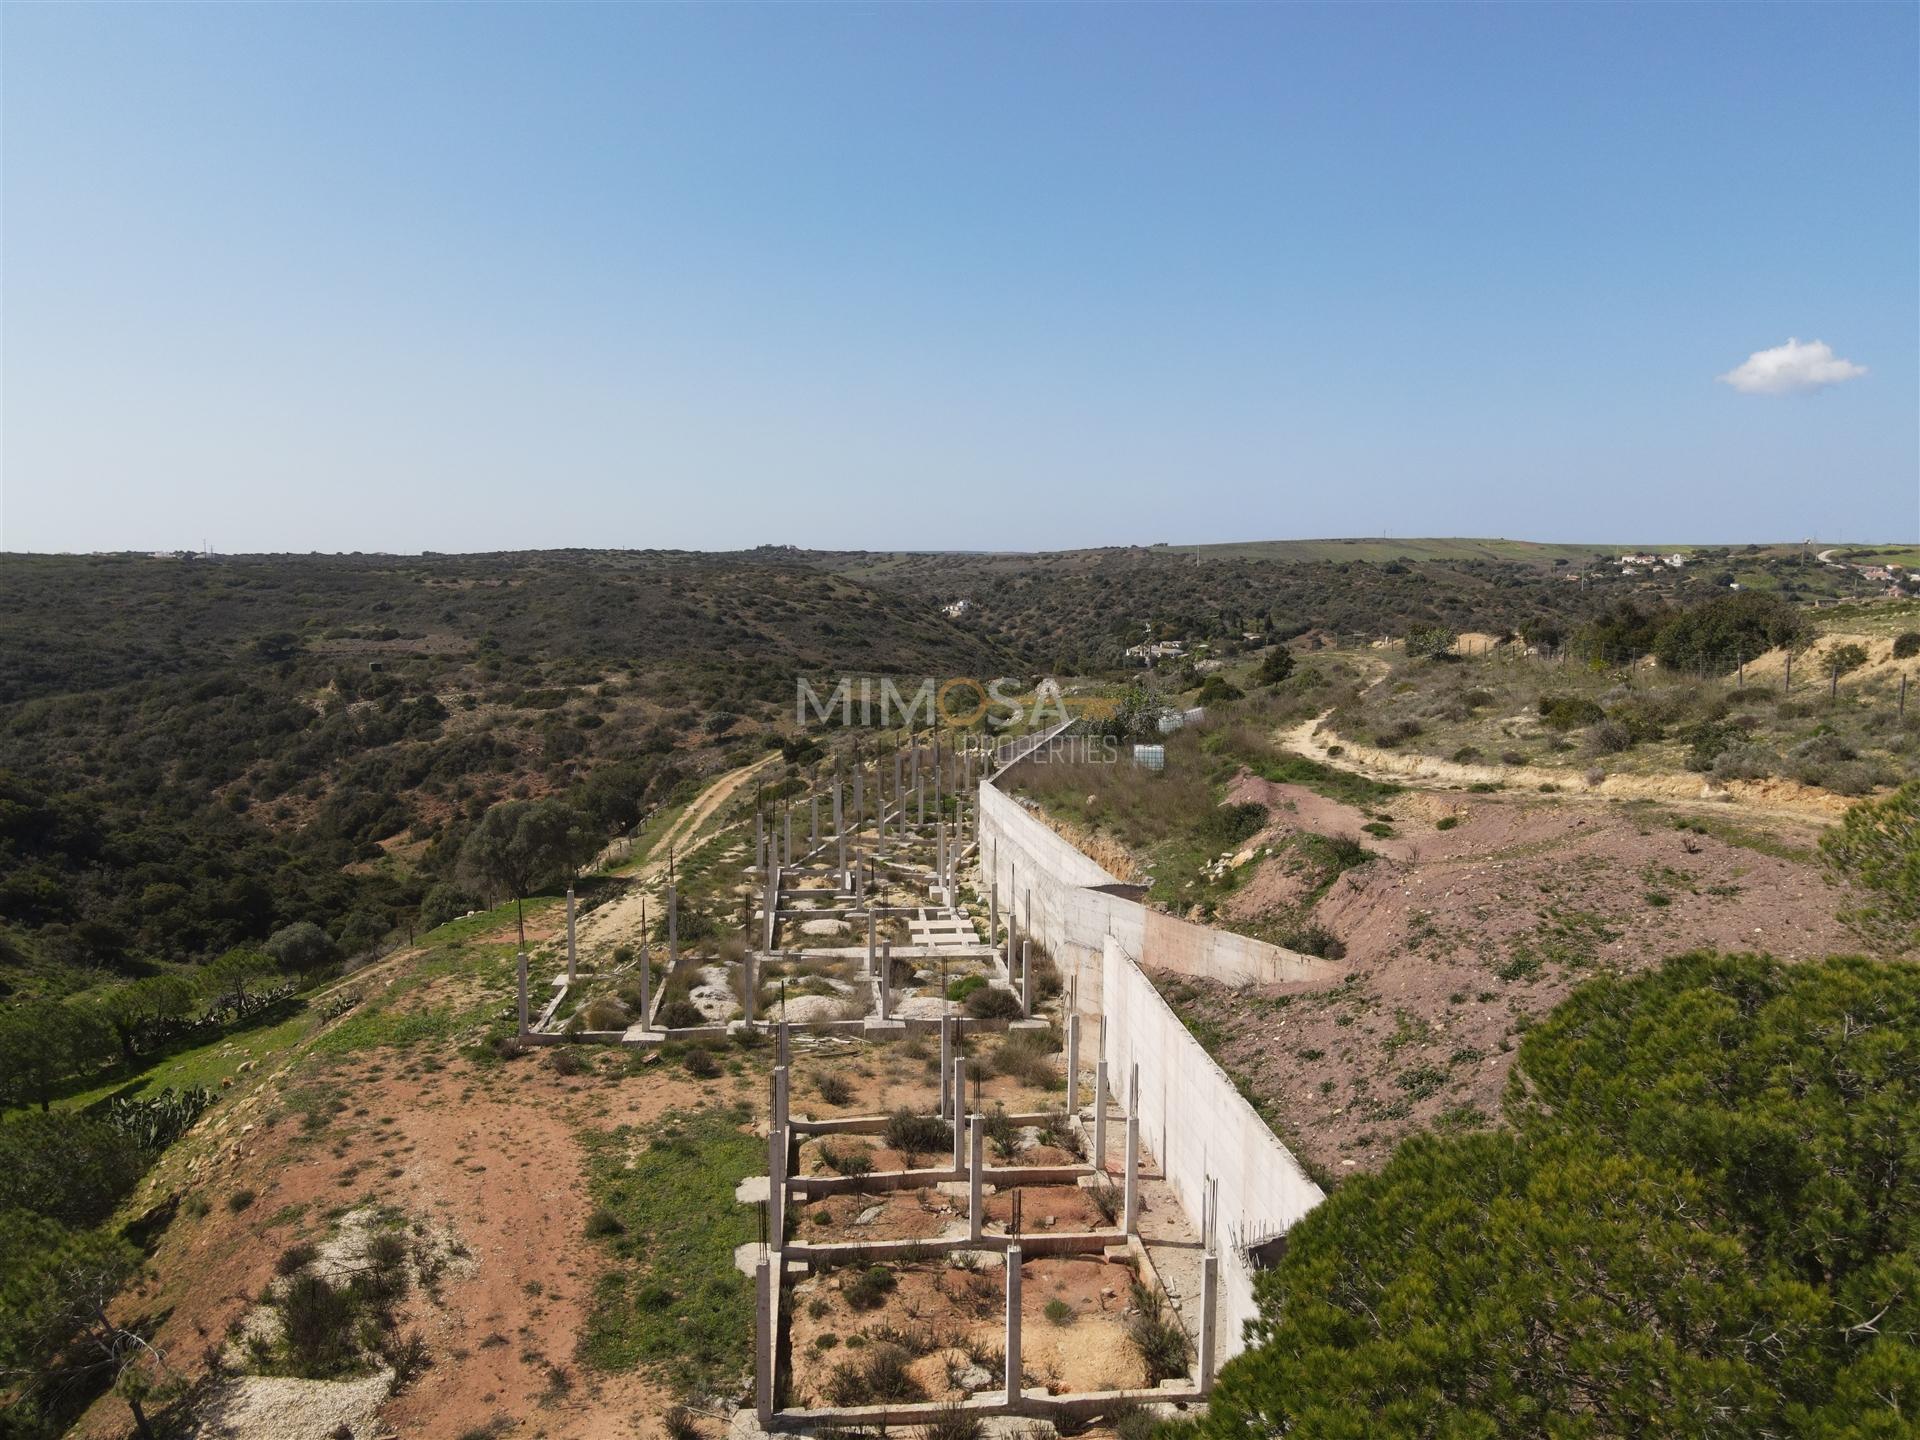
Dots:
(1906, 645)
(1847, 658)
(993, 1003)
(913, 1134)
(679, 1015)
(1569, 712)
(870, 1288)
(834, 1089)
(1156, 1333)
(960, 989)
(603, 1223)
(847, 1159)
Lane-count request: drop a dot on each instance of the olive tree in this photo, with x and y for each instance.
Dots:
(523, 845)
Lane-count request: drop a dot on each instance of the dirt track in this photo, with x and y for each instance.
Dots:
(618, 921)
(1780, 799)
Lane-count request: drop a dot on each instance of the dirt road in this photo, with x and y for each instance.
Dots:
(618, 921)
(1778, 799)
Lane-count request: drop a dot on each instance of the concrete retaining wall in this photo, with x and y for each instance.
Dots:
(1199, 1125)
(1075, 910)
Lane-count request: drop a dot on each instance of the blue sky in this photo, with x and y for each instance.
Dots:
(461, 277)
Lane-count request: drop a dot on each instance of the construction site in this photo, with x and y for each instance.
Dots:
(1000, 1173)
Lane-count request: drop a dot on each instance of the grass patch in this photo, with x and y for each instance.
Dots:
(671, 1299)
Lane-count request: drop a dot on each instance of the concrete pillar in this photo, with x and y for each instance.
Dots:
(920, 801)
(886, 981)
(759, 837)
(748, 985)
(1073, 1062)
(1026, 920)
(1026, 976)
(1131, 1195)
(946, 1062)
(520, 977)
(1013, 916)
(1100, 1101)
(782, 1093)
(859, 799)
(1013, 1323)
(570, 934)
(1209, 1286)
(840, 845)
(673, 926)
(839, 820)
(765, 1342)
(993, 911)
(787, 854)
(776, 1188)
(959, 1111)
(783, 1046)
(646, 978)
(976, 1205)
(869, 940)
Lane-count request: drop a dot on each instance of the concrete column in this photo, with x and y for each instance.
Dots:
(1100, 1101)
(748, 985)
(783, 1046)
(840, 845)
(976, 1205)
(886, 981)
(646, 979)
(859, 799)
(959, 1111)
(1026, 975)
(787, 854)
(673, 925)
(1073, 1062)
(765, 1342)
(869, 940)
(570, 934)
(520, 976)
(813, 819)
(946, 1063)
(1209, 1327)
(993, 911)
(776, 1188)
(839, 820)
(1013, 915)
(920, 801)
(1131, 1195)
(782, 1092)
(1013, 1323)
(1026, 920)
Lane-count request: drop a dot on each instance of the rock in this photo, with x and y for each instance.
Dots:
(868, 1215)
(973, 1377)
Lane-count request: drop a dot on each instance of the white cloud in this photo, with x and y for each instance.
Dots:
(1790, 367)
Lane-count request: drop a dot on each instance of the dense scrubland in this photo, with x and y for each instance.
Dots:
(1570, 1180)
